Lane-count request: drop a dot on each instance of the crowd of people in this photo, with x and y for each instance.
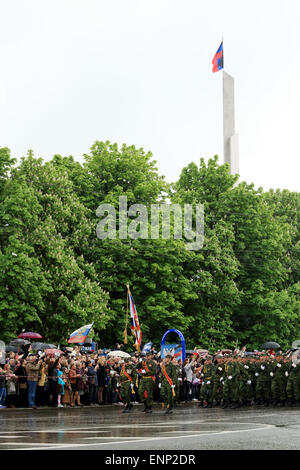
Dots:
(75, 379)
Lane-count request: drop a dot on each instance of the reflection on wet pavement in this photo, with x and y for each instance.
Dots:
(79, 428)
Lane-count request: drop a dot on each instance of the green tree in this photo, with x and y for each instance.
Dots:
(55, 229)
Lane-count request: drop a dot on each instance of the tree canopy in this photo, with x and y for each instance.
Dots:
(241, 288)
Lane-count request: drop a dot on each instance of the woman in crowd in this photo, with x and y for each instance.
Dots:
(60, 385)
(21, 375)
(81, 381)
(40, 397)
(52, 381)
(11, 387)
(101, 370)
(2, 387)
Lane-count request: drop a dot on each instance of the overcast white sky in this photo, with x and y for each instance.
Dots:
(139, 72)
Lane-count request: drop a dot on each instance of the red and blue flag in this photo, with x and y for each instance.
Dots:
(79, 336)
(218, 60)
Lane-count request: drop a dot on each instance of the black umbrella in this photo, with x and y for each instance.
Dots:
(271, 345)
(50, 346)
(9, 348)
(18, 342)
(39, 346)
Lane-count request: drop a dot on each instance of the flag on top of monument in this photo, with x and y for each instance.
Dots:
(79, 336)
(218, 60)
(135, 326)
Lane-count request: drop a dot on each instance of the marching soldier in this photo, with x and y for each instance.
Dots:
(168, 382)
(147, 369)
(177, 380)
(127, 378)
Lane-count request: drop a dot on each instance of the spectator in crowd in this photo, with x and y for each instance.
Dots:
(40, 398)
(73, 378)
(81, 381)
(11, 388)
(92, 383)
(32, 369)
(2, 386)
(195, 386)
(52, 381)
(21, 375)
(60, 385)
(188, 368)
(101, 370)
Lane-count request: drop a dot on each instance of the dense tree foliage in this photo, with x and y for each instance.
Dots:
(241, 287)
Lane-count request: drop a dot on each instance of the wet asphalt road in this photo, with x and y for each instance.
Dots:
(188, 428)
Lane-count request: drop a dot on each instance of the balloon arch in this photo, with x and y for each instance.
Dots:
(163, 341)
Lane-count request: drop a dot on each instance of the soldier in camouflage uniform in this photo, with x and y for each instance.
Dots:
(245, 391)
(252, 370)
(206, 385)
(263, 380)
(293, 384)
(168, 382)
(279, 376)
(177, 381)
(127, 379)
(217, 379)
(147, 368)
(231, 385)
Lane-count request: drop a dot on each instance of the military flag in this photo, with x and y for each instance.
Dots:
(134, 322)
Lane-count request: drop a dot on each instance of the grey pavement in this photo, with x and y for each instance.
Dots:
(188, 428)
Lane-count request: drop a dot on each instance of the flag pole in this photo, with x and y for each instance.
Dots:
(126, 322)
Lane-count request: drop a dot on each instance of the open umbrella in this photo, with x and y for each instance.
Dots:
(18, 342)
(296, 357)
(10, 348)
(30, 335)
(39, 346)
(49, 346)
(51, 352)
(296, 344)
(270, 345)
(226, 351)
(118, 354)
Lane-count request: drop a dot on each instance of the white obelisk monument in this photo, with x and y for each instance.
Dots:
(230, 138)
